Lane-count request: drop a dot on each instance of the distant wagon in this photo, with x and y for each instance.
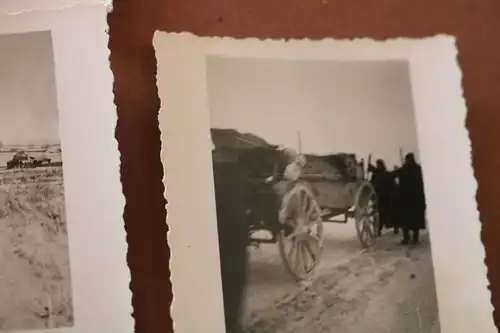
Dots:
(22, 160)
(17, 161)
(293, 211)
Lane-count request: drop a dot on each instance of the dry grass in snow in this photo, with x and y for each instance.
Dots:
(35, 287)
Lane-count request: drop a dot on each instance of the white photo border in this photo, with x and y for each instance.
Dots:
(94, 199)
(458, 254)
(16, 7)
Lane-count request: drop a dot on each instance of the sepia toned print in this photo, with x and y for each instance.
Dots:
(318, 162)
(35, 284)
(309, 186)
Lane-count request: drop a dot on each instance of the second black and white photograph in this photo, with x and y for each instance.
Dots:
(320, 200)
(35, 279)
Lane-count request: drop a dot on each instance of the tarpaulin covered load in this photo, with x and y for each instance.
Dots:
(332, 179)
(231, 146)
(231, 138)
(255, 156)
(335, 167)
(331, 176)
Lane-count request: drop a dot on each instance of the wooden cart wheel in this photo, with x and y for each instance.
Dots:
(366, 214)
(300, 238)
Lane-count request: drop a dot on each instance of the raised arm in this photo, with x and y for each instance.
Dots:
(395, 173)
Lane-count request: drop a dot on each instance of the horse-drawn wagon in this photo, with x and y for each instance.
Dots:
(294, 208)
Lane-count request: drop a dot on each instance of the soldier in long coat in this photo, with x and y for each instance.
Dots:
(410, 199)
(385, 187)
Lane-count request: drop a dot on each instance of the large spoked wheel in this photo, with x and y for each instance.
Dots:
(366, 215)
(300, 238)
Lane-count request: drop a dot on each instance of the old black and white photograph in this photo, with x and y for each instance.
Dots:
(319, 186)
(320, 199)
(35, 284)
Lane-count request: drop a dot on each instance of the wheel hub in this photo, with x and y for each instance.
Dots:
(301, 232)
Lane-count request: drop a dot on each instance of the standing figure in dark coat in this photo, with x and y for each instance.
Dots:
(410, 199)
(233, 239)
(385, 187)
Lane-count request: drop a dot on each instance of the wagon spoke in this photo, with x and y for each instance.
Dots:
(306, 260)
(305, 256)
(361, 213)
(303, 197)
(366, 236)
(292, 235)
(367, 230)
(301, 201)
(315, 238)
(310, 251)
(292, 250)
(306, 207)
(312, 211)
(298, 252)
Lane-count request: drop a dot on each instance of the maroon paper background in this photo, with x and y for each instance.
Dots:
(132, 24)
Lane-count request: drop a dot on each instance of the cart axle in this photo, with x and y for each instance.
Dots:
(263, 240)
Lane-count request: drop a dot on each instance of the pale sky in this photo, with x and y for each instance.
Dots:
(352, 107)
(28, 101)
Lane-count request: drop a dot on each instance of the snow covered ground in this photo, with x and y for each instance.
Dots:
(389, 289)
